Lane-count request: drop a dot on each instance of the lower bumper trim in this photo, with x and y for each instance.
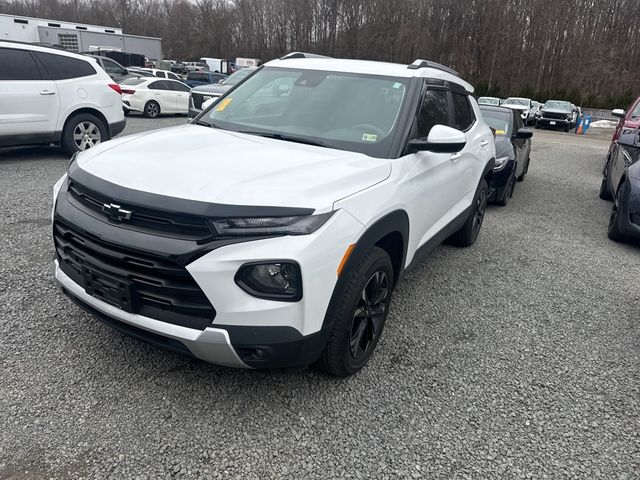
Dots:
(212, 345)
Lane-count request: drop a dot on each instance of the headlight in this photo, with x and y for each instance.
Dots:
(500, 163)
(277, 280)
(298, 225)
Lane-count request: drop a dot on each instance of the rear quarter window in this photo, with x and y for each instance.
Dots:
(60, 67)
(463, 116)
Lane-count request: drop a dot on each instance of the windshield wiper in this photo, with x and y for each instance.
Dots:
(286, 138)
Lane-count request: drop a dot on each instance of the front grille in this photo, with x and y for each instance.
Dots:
(186, 227)
(134, 281)
(560, 116)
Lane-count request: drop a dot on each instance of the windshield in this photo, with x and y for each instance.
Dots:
(517, 101)
(238, 76)
(558, 105)
(488, 101)
(355, 112)
(498, 121)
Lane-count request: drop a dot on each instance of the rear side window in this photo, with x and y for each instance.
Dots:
(434, 111)
(160, 74)
(18, 65)
(159, 85)
(198, 77)
(60, 67)
(463, 116)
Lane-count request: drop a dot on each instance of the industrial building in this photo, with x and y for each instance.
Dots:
(77, 37)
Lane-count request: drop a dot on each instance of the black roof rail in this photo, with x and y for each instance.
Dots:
(428, 64)
(302, 55)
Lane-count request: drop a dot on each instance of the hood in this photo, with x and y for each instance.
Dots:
(200, 163)
(212, 88)
(504, 148)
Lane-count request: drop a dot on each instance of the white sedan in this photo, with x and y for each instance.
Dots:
(154, 96)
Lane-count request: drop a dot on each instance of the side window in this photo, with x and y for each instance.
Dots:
(178, 86)
(159, 85)
(434, 111)
(112, 67)
(18, 65)
(172, 76)
(60, 67)
(517, 121)
(463, 116)
(160, 74)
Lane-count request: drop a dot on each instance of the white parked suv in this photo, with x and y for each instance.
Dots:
(272, 231)
(53, 96)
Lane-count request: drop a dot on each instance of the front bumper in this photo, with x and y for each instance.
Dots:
(211, 344)
(553, 122)
(243, 331)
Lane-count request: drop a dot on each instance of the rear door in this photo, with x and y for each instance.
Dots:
(164, 95)
(29, 101)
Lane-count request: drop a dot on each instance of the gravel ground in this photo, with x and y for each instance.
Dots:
(516, 358)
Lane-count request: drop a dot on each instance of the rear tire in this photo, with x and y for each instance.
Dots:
(151, 109)
(360, 316)
(468, 234)
(83, 131)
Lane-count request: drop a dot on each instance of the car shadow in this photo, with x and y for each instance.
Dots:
(33, 154)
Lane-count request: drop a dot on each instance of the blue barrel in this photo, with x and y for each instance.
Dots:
(586, 124)
(579, 127)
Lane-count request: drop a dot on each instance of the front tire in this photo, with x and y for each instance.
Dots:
(83, 131)
(614, 232)
(468, 234)
(360, 315)
(508, 191)
(151, 109)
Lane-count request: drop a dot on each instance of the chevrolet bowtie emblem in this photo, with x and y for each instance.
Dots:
(114, 212)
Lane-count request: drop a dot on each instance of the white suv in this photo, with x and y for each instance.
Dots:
(53, 96)
(272, 231)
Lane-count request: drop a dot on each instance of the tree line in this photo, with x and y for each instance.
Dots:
(586, 51)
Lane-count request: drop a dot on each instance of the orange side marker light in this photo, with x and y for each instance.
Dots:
(346, 256)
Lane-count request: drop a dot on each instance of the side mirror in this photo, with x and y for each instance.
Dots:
(441, 139)
(523, 133)
(617, 112)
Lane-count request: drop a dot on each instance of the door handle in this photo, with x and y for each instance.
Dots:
(484, 143)
(47, 92)
(455, 157)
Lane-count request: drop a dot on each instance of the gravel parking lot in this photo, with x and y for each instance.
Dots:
(516, 358)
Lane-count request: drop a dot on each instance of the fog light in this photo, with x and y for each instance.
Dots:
(273, 281)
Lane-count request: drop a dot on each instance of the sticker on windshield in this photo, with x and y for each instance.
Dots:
(369, 137)
(397, 85)
(223, 104)
(500, 132)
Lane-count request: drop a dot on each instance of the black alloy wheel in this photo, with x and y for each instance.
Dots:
(369, 315)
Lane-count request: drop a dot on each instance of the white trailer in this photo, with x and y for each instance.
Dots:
(219, 65)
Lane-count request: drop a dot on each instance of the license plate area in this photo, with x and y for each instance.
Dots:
(552, 123)
(107, 288)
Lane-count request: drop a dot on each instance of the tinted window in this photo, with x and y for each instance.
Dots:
(462, 114)
(112, 67)
(60, 68)
(133, 81)
(160, 74)
(434, 111)
(178, 86)
(173, 76)
(17, 65)
(517, 121)
(199, 77)
(159, 85)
